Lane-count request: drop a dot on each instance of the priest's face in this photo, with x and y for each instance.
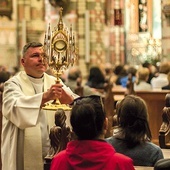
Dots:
(34, 62)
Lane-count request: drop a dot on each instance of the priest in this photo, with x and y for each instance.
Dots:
(25, 126)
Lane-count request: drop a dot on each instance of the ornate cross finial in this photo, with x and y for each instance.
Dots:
(60, 22)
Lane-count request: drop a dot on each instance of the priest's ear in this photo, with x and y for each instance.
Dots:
(22, 61)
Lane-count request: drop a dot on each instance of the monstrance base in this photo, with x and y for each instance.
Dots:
(55, 106)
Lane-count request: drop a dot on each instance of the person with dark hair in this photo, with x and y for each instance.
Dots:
(96, 78)
(124, 79)
(151, 74)
(89, 150)
(133, 136)
(25, 133)
(74, 79)
(162, 164)
(15, 70)
(4, 74)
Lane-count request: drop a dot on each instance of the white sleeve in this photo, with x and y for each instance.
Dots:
(69, 91)
(21, 110)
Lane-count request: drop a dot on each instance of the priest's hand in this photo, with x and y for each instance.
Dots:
(53, 93)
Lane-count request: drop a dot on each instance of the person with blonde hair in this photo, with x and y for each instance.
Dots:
(142, 77)
(161, 80)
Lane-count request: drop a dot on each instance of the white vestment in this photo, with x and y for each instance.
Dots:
(24, 124)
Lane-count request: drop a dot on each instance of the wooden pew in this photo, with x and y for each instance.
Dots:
(155, 100)
(164, 132)
(1, 91)
(60, 135)
(108, 101)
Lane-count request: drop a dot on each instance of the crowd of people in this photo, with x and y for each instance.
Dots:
(25, 124)
(145, 77)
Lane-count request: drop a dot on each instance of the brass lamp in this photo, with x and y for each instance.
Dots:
(59, 46)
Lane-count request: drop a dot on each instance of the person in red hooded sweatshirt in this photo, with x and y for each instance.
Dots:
(89, 150)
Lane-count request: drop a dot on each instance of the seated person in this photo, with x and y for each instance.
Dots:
(167, 87)
(96, 78)
(123, 77)
(133, 136)
(161, 80)
(4, 74)
(142, 77)
(150, 66)
(120, 72)
(89, 150)
(74, 77)
(131, 70)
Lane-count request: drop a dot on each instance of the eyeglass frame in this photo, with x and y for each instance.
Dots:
(79, 101)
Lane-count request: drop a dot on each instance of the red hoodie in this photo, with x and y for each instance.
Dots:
(90, 155)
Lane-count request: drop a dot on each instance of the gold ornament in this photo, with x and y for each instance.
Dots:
(60, 47)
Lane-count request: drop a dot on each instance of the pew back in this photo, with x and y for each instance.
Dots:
(0, 125)
(155, 101)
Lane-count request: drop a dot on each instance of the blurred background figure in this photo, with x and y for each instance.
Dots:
(151, 73)
(123, 77)
(15, 70)
(74, 79)
(96, 78)
(108, 71)
(116, 71)
(167, 87)
(120, 72)
(141, 81)
(161, 80)
(4, 74)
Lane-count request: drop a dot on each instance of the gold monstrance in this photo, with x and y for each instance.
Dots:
(60, 47)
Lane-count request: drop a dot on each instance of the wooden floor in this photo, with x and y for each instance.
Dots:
(166, 153)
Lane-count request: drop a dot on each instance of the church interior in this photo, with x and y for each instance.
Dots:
(107, 33)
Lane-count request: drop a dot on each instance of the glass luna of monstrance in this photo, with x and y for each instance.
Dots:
(59, 45)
